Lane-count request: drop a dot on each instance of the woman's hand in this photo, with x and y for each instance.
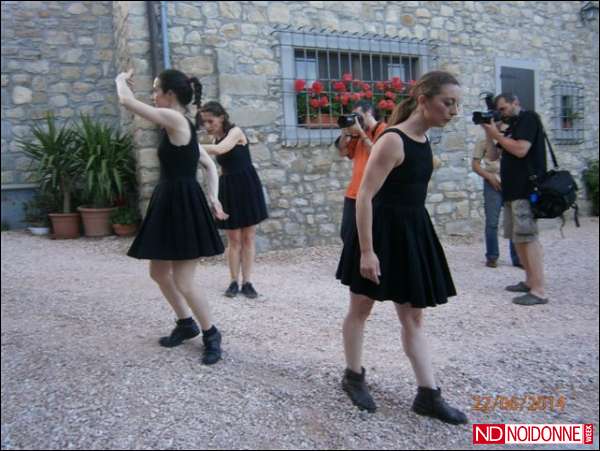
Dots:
(369, 266)
(125, 77)
(217, 210)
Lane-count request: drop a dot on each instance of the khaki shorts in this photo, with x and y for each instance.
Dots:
(519, 223)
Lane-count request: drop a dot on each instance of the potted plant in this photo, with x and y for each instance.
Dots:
(36, 212)
(108, 169)
(570, 119)
(125, 220)
(53, 152)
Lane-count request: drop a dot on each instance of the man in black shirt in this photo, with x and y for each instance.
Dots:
(523, 155)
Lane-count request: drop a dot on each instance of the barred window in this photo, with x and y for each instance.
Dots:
(568, 111)
(325, 74)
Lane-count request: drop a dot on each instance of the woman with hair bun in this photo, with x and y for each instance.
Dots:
(178, 227)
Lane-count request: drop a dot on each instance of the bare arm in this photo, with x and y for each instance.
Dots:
(234, 136)
(387, 153)
(212, 178)
(517, 147)
(166, 117)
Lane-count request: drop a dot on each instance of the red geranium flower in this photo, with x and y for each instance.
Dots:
(397, 83)
(369, 94)
(347, 77)
(299, 85)
(314, 103)
(356, 96)
(366, 87)
(345, 99)
(390, 105)
(380, 85)
(317, 87)
(390, 95)
(323, 101)
(382, 105)
(339, 86)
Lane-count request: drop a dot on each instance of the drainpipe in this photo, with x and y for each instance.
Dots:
(153, 28)
(165, 35)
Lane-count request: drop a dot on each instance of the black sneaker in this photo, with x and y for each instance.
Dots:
(249, 291)
(212, 348)
(233, 290)
(185, 330)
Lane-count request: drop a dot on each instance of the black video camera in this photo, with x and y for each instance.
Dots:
(481, 117)
(348, 120)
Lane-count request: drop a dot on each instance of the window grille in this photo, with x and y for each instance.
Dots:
(567, 112)
(325, 73)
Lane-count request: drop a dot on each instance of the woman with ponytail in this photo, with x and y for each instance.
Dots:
(240, 192)
(395, 254)
(178, 227)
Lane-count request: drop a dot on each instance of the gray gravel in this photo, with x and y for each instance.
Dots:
(81, 367)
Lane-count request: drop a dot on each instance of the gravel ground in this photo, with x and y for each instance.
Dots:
(81, 367)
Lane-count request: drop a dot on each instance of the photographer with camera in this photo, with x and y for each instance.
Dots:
(360, 130)
(492, 198)
(523, 156)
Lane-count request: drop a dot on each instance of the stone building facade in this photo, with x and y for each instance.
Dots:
(64, 56)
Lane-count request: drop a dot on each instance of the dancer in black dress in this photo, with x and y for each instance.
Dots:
(240, 192)
(395, 254)
(178, 227)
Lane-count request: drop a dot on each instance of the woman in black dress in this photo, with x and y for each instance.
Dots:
(178, 227)
(395, 254)
(240, 193)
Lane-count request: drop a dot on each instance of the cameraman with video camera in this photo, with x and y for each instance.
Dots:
(523, 155)
(360, 130)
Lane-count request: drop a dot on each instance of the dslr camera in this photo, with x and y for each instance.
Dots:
(348, 120)
(486, 117)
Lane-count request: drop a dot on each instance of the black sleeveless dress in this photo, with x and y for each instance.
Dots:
(178, 224)
(240, 190)
(413, 265)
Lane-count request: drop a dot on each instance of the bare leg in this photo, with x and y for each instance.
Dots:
(535, 268)
(183, 275)
(415, 344)
(234, 248)
(353, 330)
(161, 272)
(248, 252)
(521, 249)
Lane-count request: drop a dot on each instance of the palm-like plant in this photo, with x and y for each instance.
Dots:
(53, 152)
(107, 162)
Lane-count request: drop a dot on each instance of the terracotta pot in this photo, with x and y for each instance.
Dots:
(125, 229)
(96, 221)
(321, 121)
(65, 225)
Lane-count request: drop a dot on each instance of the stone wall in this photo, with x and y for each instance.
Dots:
(56, 56)
(231, 47)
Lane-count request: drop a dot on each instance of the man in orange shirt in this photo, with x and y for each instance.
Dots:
(355, 143)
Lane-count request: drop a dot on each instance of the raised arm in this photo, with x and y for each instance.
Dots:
(165, 117)
(234, 136)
